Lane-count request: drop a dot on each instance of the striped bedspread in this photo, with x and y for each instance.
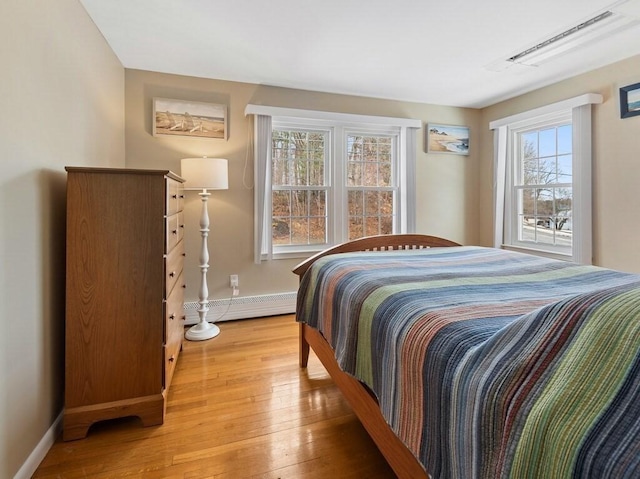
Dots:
(488, 363)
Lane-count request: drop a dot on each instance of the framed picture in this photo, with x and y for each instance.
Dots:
(630, 100)
(189, 118)
(447, 139)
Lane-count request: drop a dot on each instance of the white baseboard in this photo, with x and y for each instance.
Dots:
(243, 307)
(37, 455)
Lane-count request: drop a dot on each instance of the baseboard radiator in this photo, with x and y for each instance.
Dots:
(243, 307)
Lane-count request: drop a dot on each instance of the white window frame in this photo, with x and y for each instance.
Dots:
(295, 250)
(512, 184)
(505, 206)
(339, 125)
(399, 183)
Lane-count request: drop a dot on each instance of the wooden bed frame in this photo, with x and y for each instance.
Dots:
(359, 397)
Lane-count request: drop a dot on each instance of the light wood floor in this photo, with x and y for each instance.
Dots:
(239, 407)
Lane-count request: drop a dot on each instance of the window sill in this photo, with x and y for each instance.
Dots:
(540, 252)
(296, 253)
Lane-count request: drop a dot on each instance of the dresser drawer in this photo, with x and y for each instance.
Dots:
(174, 329)
(175, 230)
(175, 197)
(174, 313)
(174, 263)
(170, 359)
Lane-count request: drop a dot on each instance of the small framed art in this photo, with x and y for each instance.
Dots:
(630, 100)
(447, 139)
(189, 118)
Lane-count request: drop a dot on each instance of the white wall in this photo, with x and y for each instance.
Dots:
(616, 161)
(61, 103)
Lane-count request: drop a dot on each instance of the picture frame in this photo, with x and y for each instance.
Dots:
(451, 139)
(630, 100)
(189, 118)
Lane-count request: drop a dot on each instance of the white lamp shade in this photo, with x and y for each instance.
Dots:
(205, 173)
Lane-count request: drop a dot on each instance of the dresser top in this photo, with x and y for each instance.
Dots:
(120, 171)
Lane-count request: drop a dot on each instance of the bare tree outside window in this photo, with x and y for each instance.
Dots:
(334, 180)
(544, 188)
(299, 197)
(370, 185)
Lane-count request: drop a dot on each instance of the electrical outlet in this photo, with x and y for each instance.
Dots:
(233, 281)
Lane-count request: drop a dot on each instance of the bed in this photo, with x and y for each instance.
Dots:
(470, 362)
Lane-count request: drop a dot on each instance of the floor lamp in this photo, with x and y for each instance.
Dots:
(204, 174)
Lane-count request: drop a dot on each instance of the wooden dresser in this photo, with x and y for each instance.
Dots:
(124, 294)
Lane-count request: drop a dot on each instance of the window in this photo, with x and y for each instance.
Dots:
(542, 200)
(370, 185)
(324, 178)
(542, 187)
(299, 187)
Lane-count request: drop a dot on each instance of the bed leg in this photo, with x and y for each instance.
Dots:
(304, 347)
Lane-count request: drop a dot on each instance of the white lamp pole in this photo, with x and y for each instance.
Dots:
(203, 174)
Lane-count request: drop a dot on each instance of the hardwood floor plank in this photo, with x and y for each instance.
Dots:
(238, 407)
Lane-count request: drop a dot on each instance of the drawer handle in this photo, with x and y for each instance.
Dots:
(181, 226)
(172, 274)
(175, 197)
(172, 316)
(181, 196)
(175, 232)
(172, 359)
(184, 317)
(184, 285)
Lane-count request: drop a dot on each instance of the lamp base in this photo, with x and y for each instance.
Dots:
(202, 331)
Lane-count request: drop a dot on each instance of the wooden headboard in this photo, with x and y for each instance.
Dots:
(377, 243)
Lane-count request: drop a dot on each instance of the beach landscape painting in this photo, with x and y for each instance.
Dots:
(189, 118)
(630, 100)
(447, 139)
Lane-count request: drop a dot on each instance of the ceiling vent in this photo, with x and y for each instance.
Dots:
(604, 24)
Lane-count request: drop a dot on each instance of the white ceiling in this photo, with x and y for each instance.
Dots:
(425, 51)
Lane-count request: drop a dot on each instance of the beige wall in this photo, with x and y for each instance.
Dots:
(447, 184)
(616, 161)
(68, 101)
(62, 93)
